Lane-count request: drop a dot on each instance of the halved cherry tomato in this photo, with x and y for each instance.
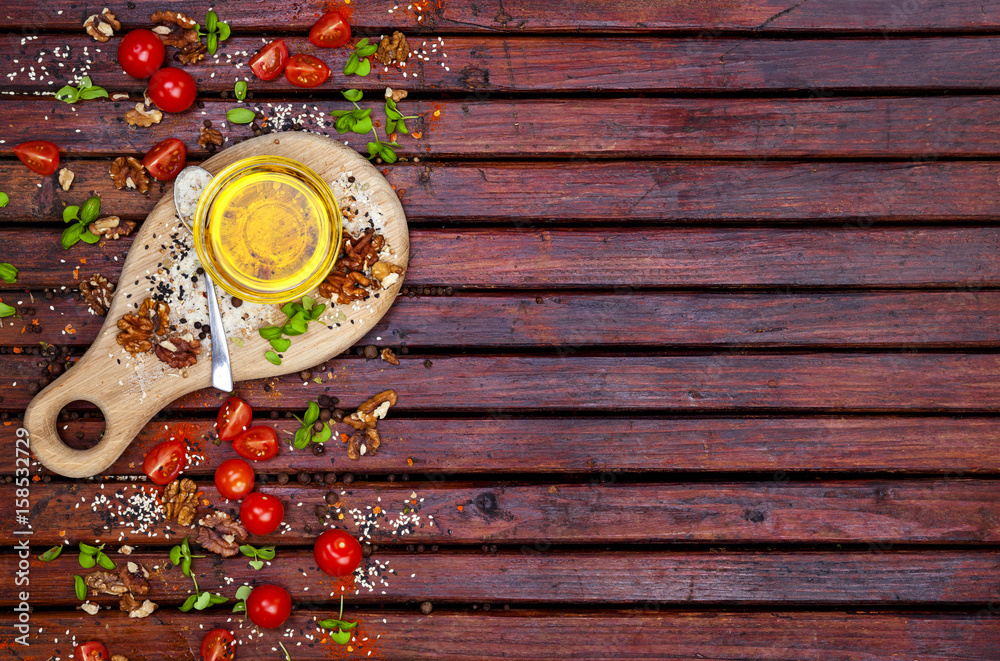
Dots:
(268, 606)
(306, 71)
(91, 651)
(39, 155)
(337, 553)
(257, 443)
(166, 461)
(234, 478)
(269, 61)
(218, 645)
(261, 514)
(140, 53)
(330, 31)
(172, 89)
(233, 419)
(165, 159)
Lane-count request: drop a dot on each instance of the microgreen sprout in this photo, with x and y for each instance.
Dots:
(359, 121)
(51, 554)
(241, 115)
(241, 598)
(94, 555)
(181, 555)
(342, 635)
(6, 311)
(83, 216)
(288, 657)
(357, 61)
(85, 90)
(240, 90)
(395, 119)
(4, 199)
(215, 31)
(80, 587)
(297, 318)
(8, 273)
(258, 555)
(306, 434)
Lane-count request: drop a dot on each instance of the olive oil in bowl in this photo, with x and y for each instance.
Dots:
(267, 229)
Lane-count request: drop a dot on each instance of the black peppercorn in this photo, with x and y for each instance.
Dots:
(371, 351)
(321, 510)
(304, 478)
(338, 415)
(318, 450)
(305, 375)
(33, 388)
(330, 478)
(348, 478)
(236, 302)
(330, 497)
(426, 608)
(325, 414)
(324, 400)
(282, 478)
(318, 426)
(318, 477)
(274, 415)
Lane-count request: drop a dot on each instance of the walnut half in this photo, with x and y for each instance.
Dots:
(97, 291)
(175, 29)
(102, 26)
(180, 500)
(128, 172)
(143, 115)
(178, 352)
(372, 410)
(220, 533)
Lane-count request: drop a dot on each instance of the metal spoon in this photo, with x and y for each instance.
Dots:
(187, 189)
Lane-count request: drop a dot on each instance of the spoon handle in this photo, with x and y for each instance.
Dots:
(222, 370)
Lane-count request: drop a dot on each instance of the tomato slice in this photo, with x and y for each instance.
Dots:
(165, 159)
(39, 155)
(92, 650)
(166, 461)
(233, 419)
(330, 31)
(218, 645)
(306, 71)
(269, 61)
(257, 443)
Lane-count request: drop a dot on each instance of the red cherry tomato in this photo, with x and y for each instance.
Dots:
(233, 419)
(165, 159)
(330, 31)
(91, 651)
(269, 61)
(172, 89)
(40, 156)
(337, 553)
(140, 53)
(234, 478)
(166, 461)
(261, 514)
(268, 606)
(257, 443)
(306, 71)
(218, 645)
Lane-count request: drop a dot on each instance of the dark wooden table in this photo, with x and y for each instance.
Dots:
(700, 328)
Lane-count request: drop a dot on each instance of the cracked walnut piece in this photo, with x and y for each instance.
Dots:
(103, 582)
(180, 500)
(128, 172)
(362, 443)
(389, 357)
(134, 576)
(178, 352)
(134, 609)
(175, 29)
(372, 410)
(220, 533)
(135, 333)
(112, 227)
(393, 49)
(158, 311)
(191, 54)
(66, 177)
(97, 292)
(102, 26)
(143, 115)
(210, 137)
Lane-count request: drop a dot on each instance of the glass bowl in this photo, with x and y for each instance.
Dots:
(267, 229)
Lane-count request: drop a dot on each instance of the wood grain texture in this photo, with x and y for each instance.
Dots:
(829, 382)
(623, 259)
(132, 392)
(442, 447)
(529, 635)
(848, 195)
(924, 128)
(742, 321)
(521, 16)
(775, 578)
(881, 512)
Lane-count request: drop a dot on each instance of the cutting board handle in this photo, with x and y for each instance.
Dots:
(121, 422)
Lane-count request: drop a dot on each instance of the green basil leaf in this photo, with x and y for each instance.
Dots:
(367, 50)
(361, 44)
(212, 42)
(352, 64)
(308, 302)
(391, 112)
(88, 237)
(267, 553)
(323, 436)
(390, 126)
(298, 322)
(186, 566)
(68, 94)
(353, 95)
(387, 154)
(256, 564)
(240, 90)
(248, 551)
(364, 68)
(317, 311)
(270, 332)
(51, 554)
(273, 358)
(6, 311)
(188, 604)
(341, 637)
(86, 82)
(70, 213)
(241, 115)
(185, 547)
(301, 440)
(240, 607)
(80, 587)
(94, 93)
(281, 344)
(340, 113)
(175, 555)
(402, 127)
(362, 126)
(90, 210)
(9, 275)
(87, 561)
(211, 21)
(288, 309)
(224, 31)
(372, 149)
(312, 413)
(203, 601)
(289, 331)
(105, 561)
(243, 591)
(218, 599)
(344, 124)
(4, 199)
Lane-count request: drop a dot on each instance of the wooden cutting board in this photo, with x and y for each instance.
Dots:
(115, 388)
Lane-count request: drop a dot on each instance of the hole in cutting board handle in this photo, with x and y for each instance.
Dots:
(80, 430)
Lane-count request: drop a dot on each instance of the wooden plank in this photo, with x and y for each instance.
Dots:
(439, 447)
(521, 16)
(830, 382)
(773, 578)
(622, 259)
(571, 321)
(852, 195)
(883, 512)
(486, 64)
(925, 128)
(528, 635)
